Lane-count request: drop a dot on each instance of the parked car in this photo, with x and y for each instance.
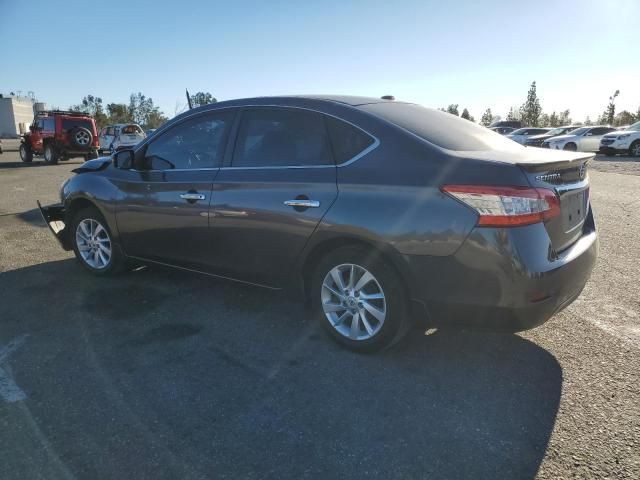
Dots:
(120, 136)
(522, 134)
(376, 211)
(583, 139)
(626, 142)
(515, 124)
(149, 132)
(59, 135)
(0, 146)
(502, 130)
(536, 140)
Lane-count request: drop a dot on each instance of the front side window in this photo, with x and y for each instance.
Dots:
(192, 144)
(48, 124)
(281, 137)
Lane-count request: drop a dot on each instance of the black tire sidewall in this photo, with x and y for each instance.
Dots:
(28, 156)
(633, 144)
(391, 286)
(54, 154)
(116, 261)
(571, 147)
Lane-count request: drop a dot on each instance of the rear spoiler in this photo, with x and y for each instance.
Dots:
(578, 159)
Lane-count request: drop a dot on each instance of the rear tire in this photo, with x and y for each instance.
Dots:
(50, 154)
(93, 243)
(380, 300)
(634, 149)
(92, 155)
(26, 155)
(572, 147)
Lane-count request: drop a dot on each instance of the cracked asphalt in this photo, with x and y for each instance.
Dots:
(159, 374)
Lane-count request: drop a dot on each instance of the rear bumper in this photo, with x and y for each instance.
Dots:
(55, 217)
(503, 278)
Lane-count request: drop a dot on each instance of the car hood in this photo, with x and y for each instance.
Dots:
(565, 137)
(94, 165)
(542, 136)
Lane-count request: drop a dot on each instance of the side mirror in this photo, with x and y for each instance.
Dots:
(123, 159)
(588, 134)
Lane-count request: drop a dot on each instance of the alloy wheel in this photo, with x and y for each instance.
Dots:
(94, 244)
(353, 301)
(82, 138)
(635, 149)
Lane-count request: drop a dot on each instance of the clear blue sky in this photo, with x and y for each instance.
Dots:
(478, 54)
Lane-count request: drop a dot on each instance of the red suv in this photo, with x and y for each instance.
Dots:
(59, 135)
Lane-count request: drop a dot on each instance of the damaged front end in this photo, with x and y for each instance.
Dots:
(55, 217)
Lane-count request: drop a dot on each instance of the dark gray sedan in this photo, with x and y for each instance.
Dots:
(378, 212)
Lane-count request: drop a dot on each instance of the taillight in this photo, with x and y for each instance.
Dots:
(507, 206)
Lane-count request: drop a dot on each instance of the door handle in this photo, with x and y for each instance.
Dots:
(302, 203)
(192, 196)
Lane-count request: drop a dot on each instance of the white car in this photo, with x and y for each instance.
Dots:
(622, 141)
(522, 134)
(583, 139)
(116, 137)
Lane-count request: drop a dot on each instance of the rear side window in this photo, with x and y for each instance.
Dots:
(440, 128)
(347, 141)
(193, 144)
(281, 138)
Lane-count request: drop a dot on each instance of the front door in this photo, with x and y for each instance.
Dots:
(164, 213)
(269, 198)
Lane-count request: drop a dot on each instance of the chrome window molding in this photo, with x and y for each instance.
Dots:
(369, 149)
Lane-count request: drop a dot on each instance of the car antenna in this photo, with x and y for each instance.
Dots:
(188, 99)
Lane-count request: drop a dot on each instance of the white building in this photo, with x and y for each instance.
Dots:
(15, 111)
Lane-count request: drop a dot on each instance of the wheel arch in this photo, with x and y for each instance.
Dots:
(315, 254)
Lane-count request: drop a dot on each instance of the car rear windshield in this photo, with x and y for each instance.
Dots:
(132, 130)
(440, 128)
(69, 123)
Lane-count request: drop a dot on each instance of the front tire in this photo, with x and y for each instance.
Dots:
(634, 149)
(50, 154)
(26, 155)
(572, 147)
(356, 297)
(93, 243)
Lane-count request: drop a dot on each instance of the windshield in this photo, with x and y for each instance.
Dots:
(440, 128)
(557, 131)
(635, 127)
(578, 131)
(520, 131)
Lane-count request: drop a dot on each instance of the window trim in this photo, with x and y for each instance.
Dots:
(142, 149)
(230, 146)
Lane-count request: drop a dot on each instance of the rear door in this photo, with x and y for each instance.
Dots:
(164, 215)
(273, 191)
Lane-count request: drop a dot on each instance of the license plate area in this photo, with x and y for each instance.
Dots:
(574, 210)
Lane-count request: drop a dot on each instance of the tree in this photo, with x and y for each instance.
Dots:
(554, 120)
(564, 118)
(610, 112)
(530, 110)
(544, 120)
(588, 122)
(143, 112)
(513, 115)
(623, 118)
(487, 118)
(467, 116)
(453, 109)
(93, 106)
(118, 113)
(202, 98)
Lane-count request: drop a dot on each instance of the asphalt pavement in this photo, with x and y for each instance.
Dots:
(160, 374)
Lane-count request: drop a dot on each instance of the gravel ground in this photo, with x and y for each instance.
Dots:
(159, 374)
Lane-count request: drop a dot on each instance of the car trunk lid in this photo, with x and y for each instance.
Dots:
(565, 174)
